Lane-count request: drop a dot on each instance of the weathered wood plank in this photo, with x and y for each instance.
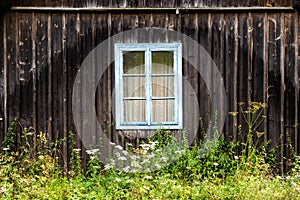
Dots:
(243, 66)
(57, 74)
(274, 78)
(2, 78)
(218, 50)
(191, 75)
(205, 40)
(282, 92)
(230, 73)
(72, 62)
(42, 81)
(289, 107)
(26, 70)
(49, 77)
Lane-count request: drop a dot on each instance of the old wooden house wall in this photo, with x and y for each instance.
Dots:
(256, 53)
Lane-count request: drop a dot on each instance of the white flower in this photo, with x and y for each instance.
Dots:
(126, 169)
(148, 177)
(119, 147)
(145, 147)
(113, 144)
(150, 155)
(164, 159)
(129, 144)
(145, 161)
(92, 151)
(5, 149)
(125, 153)
(117, 180)
(122, 158)
(133, 157)
(107, 167)
(157, 166)
(117, 154)
(135, 164)
(147, 170)
(76, 150)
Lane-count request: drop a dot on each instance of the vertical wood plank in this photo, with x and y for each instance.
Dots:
(230, 73)
(49, 77)
(2, 76)
(296, 79)
(26, 70)
(282, 91)
(64, 92)
(42, 80)
(289, 108)
(266, 78)
(274, 77)
(33, 71)
(243, 65)
(72, 62)
(205, 40)
(218, 52)
(257, 75)
(57, 80)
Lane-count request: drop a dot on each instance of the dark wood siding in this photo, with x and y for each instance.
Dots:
(256, 54)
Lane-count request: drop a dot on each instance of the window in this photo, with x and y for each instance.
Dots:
(148, 80)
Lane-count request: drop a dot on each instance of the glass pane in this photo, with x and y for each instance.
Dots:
(163, 111)
(134, 111)
(163, 86)
(134, 62)
(162, 62)
(134, 86)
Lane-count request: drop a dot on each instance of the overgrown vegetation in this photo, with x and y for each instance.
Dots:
(230, 170)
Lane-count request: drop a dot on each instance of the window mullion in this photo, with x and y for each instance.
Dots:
(148, 86)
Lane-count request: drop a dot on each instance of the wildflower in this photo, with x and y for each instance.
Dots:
(108, 166)
(148, 177)
(135, 164)
(122, 158)
(92, 151)
(5, 149)
(164, 159)
(117, 154)
(117, 180)
(77, 150)
(113, 144)
(126, 169)
(150, 155)
(233, 113)
(125, 153)
(119, 147)
(157, 166)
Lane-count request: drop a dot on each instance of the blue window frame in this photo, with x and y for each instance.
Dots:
(148, 91)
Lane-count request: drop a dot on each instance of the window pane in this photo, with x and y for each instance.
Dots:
(134, 62)
(163, 86)
(162, 62)
(134, 111)
(163, 111)
(134, 86)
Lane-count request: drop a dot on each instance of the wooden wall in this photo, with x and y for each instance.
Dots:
(256, 53)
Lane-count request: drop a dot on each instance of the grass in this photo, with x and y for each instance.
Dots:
(231, 170)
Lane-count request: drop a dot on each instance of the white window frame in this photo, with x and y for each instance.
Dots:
(119, 81)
